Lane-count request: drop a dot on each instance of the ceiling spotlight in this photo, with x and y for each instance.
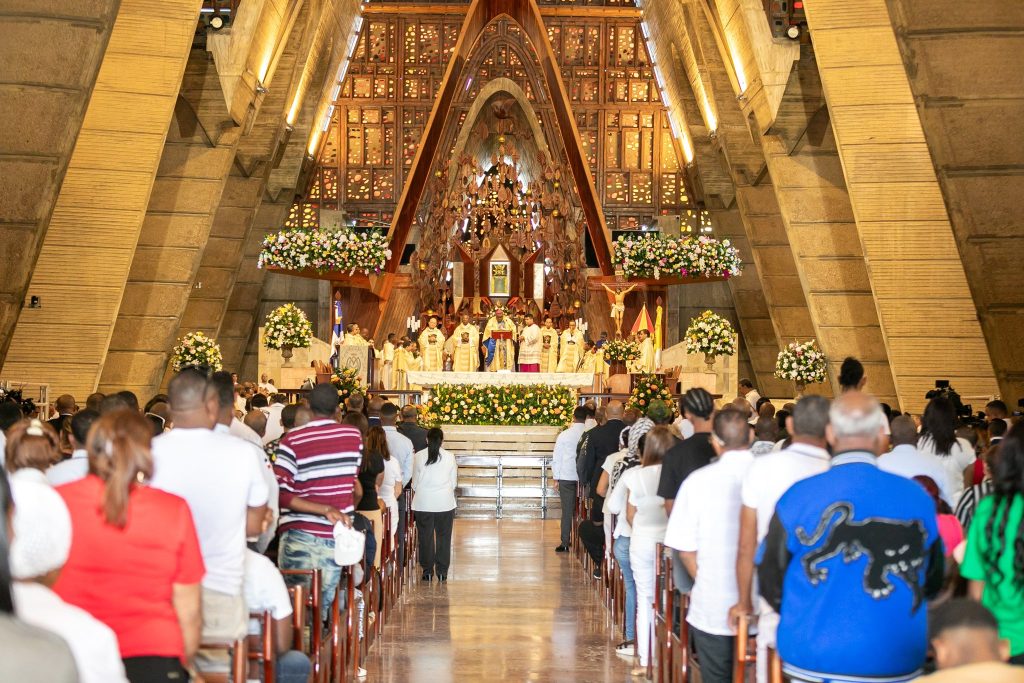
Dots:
(216, 22)
(793, 32)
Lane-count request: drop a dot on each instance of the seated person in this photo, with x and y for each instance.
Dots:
(265, 590)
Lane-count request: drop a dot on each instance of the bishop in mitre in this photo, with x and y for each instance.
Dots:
(570, 349)
(645, 360)
(548, 347)
(431, 344)
(529, 346)
(504, 349)
(464, 346)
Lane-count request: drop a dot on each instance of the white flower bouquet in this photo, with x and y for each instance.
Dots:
(802, 362)
(196, 349)
(287, 325)
(654, 256)
(326, 251)
(711, 335)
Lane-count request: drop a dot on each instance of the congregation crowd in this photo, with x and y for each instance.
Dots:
(135, 536)
(858, 543)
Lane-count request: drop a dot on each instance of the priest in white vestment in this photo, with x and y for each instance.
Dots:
(353, 337)
(570, 349)
(548, 347)
(529, 346)
(464, 346)
(645, 361)
(504, 349)
(432, 347)
(593, 364)
(387, 356)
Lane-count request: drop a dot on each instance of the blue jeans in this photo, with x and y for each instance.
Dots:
(621, 549)
(293, 667)
(301, 550)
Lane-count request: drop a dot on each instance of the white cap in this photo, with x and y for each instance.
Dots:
(42, 529)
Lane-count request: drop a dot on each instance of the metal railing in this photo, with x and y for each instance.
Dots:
(516, 483)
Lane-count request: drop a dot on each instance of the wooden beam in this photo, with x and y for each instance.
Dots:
(407, 8)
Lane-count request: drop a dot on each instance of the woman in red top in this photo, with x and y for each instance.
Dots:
(135, 563)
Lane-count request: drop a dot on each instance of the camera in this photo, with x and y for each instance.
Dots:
(943, 389)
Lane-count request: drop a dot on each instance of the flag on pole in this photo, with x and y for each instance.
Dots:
(337, 331)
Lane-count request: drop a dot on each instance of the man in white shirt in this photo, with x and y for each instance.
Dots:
(77, 466)
(768, 478)
(228, 424)
(563, 471)
(267, 385)
(223, 483)
(704, 528)
(401, 448)
(39, 550)
(274, 426)
(905, 460)
(748, 392)
(266, 591)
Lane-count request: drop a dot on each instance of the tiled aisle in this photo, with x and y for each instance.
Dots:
(512, 610)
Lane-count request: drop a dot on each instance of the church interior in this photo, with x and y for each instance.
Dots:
(852, 170)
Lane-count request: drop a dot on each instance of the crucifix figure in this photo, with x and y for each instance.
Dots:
(619, 307)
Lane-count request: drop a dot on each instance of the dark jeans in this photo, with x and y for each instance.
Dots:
(715, 655)
(592, 538)
(360, 523)
(435, 532)
(567, 497)
(155, 670)
(403, 514)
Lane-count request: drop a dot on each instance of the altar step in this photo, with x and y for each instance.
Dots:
(504, 471)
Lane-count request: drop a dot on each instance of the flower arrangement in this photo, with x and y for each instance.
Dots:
(326, 250)
(524, 405)
(652, 256)
(195, 348)
(287, 326)
(620, 351)
(711, 335)
(802, 362)
(648, 388)
(346, 380)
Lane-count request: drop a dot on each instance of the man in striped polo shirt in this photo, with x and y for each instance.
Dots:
(316, 466)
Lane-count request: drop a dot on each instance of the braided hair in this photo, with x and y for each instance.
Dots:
(1008, 482)
(697, 402)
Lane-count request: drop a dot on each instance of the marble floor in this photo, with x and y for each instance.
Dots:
(512, 610)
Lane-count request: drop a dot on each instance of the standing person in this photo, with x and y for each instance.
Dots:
(317, 468)
(570, 348)
(548, 346)
(401, 448)
(748, 392)
(32, 449)
(691, 454)
(387, 357)
(905, 460)
(768, 478)
(850, 558)
(371, 476)
(220, 478)
(645, 361)
(434, 479)
(431, 342)
(266, 591)
(25, 646)
(938, 438)
(77, 466)
(464, 346)
(64, 406)
(563, 471)
(145, 584)
(410, 428)
(601, 442)
(529, 346)
(504, 350)
(390, 489)
(994, 562)
(42, 537)
(645, 511)
(705, 529)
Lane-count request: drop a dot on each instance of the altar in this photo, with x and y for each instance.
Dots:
(576, 380)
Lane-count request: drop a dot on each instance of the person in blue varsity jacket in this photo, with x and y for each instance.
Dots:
(850, 559)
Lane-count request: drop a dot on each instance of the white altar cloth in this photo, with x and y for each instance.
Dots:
(579, 380)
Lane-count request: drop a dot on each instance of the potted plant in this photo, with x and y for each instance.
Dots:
(711, 335)
(195, 349)
(286, 328)
(802, 362)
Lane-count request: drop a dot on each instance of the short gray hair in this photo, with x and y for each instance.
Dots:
(810, 416)
(856, 415)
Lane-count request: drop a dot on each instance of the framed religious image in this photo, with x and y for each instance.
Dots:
(499, 284)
